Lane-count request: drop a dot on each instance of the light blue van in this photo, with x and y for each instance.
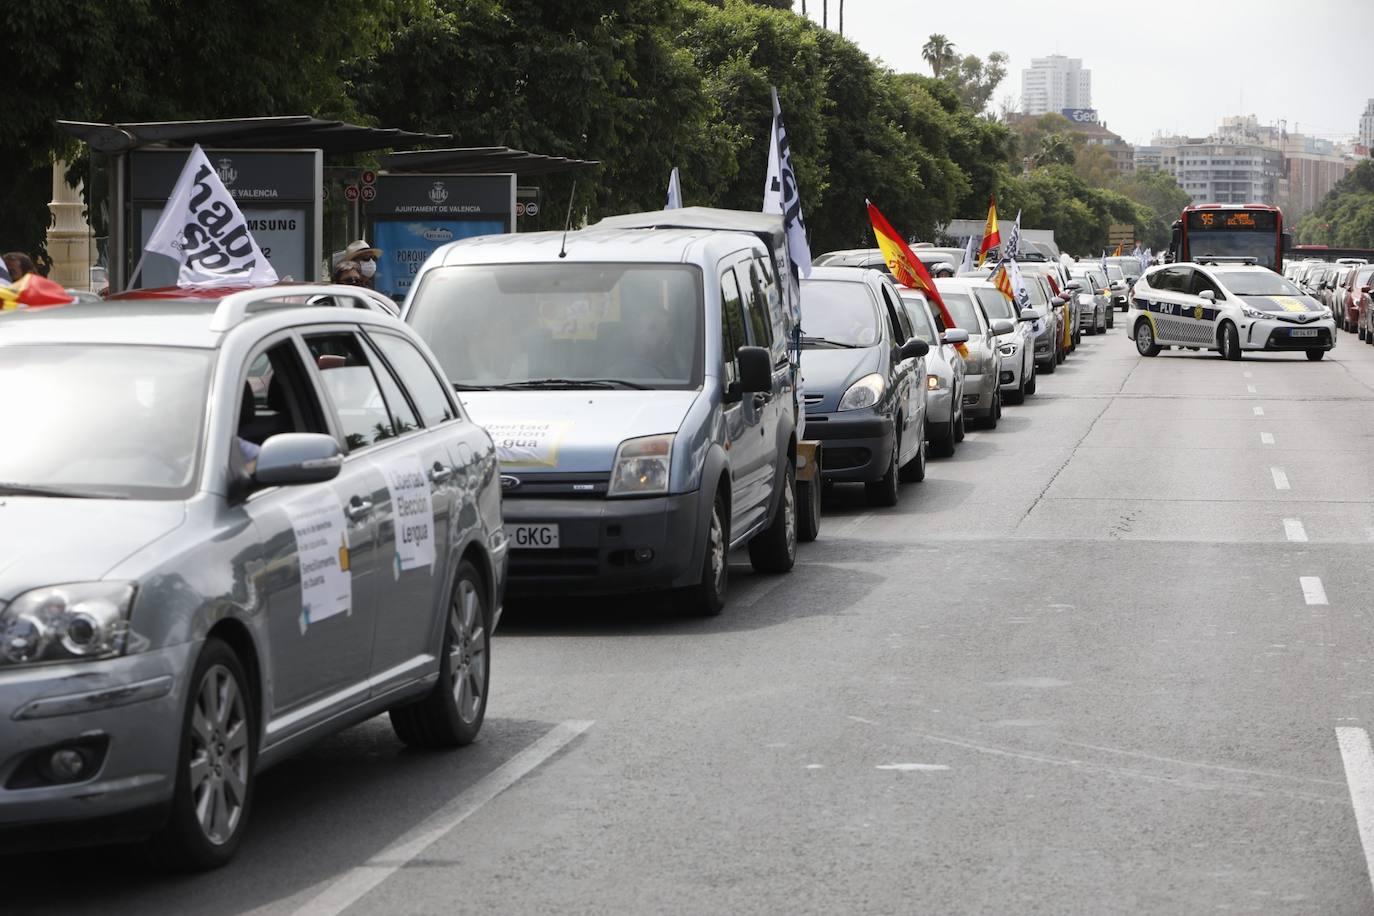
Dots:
(638, 385)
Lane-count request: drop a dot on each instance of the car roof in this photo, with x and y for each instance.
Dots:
(596, 245)
(847, 275)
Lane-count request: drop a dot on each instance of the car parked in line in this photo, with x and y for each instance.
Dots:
(983, 363)
(1229, 308)
(1349, 297)
(944, 379)
(1120, 287)
(1093, 297)
(275, 522)
(638, 385)
(864, 368)
(1017, 348)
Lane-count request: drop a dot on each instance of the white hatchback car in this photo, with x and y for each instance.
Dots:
(1227, 307)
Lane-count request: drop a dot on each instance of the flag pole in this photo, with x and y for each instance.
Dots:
(138, 269)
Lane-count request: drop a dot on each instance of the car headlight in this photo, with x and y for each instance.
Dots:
(1253, 313)
(641, 466)
(1008, 349)
(87, 620)
(934, 383)
(863, 393)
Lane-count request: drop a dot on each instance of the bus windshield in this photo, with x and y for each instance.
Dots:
(1231, 243)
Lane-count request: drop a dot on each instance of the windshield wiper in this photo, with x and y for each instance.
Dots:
(823, 342)
(23, 489)
(606, 383)
(459, 386)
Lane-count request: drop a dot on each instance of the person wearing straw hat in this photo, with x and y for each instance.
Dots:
(366, 257)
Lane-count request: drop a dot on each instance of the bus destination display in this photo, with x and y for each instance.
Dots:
(1247, 220)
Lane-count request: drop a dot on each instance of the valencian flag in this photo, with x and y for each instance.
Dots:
(32, 291)
(991, 237)
(906, 268)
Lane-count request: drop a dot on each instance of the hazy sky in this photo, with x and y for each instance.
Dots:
(1166, 65)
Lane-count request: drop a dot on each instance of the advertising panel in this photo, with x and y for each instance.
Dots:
(1080, 115)
(406, 245)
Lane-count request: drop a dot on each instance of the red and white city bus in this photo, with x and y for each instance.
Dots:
(1230, 231)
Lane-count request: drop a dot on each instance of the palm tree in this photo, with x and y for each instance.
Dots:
(938, 52)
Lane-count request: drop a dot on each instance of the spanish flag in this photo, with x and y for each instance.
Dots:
(31, 291)
(991, 237)
(906, 268)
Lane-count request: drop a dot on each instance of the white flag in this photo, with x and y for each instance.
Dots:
(1023, 299)
(203, 228)
(970, 255)
(1012, 249)
(674, 192)
(780, 193)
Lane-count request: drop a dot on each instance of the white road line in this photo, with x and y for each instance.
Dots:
(1312, 591)
(911, 767)
(1266, 438)
(1250, 388)
(353, 884)
(1293, 529)
(1259, 411)
(1280, 478)
(1359, 776)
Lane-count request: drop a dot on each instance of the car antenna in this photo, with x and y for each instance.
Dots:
(567, 224)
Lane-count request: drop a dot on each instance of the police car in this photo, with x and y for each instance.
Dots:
(1229, 306)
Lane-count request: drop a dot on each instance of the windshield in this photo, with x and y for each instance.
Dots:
(838, 313)
(103, 420)
(920, 319)
(961, 310)
(1232, 244)
(558, 325)
(995, 304)
(1256, 283)
(1114, 272)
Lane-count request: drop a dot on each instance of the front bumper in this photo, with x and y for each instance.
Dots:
(602, 544)
(979, 393)
(1272, 334)
(856, 448)
(1009, 376)
(125, 711)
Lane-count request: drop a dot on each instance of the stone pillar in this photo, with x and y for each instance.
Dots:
(69, 239)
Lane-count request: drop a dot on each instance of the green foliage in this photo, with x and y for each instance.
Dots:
(939, 53)
(1345, 216)
(975, 80)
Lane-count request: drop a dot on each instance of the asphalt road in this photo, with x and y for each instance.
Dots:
(1106, 659)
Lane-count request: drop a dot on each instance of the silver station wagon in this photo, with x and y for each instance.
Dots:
(228, 526)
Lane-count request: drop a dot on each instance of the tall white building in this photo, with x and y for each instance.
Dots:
(1367, 126)
(1054, 83)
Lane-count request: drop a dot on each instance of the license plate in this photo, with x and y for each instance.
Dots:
(533, 537)
(1303, 332)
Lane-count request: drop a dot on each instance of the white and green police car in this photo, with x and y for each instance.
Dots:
(1227, 306)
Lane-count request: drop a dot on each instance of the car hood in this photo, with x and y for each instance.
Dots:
(827, 374)
(1304, 306)
(572, 431)
(93, 534)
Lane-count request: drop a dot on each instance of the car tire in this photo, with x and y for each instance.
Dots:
(943, 447)
(451, 714)
(1051, 366)
(1031, 385)
(808, 510)
(1315, 355)
(914, 471)
(1363, 336)
(1111, 318)
(1145, 339)
(960, 422)
(994, 412)
(1229, 342)
(774, 549)
(1019, 395)
(219, 764)
(883, 492)
(707, 597)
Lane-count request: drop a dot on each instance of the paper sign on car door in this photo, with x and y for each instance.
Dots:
(412, 505)
(322, 548)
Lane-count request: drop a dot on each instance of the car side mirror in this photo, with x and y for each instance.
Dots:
(914, 348)
(1029, 315)
(954, 336)
(1001, 326)
(295, 458)
(1074, 285)
(1118, 285)
(1208, 295)
(1058, 301)
(755, 369)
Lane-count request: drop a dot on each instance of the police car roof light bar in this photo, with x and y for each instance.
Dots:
(233, 308)
(1226, 259)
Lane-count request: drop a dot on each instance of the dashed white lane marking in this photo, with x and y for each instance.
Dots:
(1266, 438)
(1359, 776)
(1312, 591)
(1250, 388)
(1280, 478)
(1293, 529)
(911, 767)
(853, 525)
(1259, 411)
(353, 884)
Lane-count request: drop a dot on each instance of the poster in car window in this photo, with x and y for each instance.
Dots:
(412, 505)
(322, 548)
(405, 245)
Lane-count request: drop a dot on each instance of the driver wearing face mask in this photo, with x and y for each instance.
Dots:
(366, 256)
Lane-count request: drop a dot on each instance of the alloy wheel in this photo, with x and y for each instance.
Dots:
(219, 757)
(467, 650)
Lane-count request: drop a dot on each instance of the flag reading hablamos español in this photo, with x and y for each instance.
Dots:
(202, 228)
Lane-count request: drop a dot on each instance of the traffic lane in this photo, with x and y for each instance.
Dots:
(1099, 732)
(315, 814)
(1237, 521)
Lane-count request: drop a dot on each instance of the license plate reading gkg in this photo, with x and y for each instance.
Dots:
(533, 537)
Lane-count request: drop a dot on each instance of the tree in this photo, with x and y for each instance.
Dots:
(1345, 217)
(1055, 149)
(939, 53)
(976, 81)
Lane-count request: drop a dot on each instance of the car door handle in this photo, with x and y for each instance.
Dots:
(358, 508)
(439, 473)
(761, 398)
